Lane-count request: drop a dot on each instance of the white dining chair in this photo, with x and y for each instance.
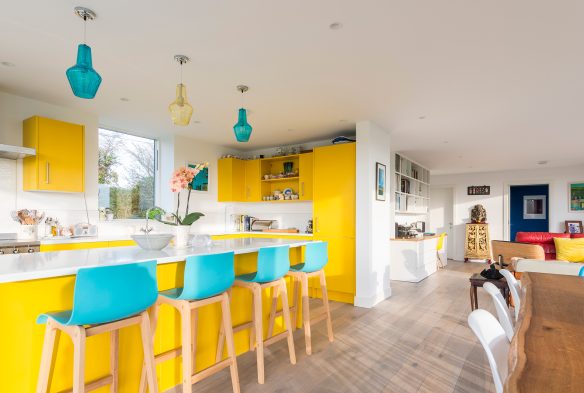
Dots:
(515, 288)
(494, 341)
(502, 309)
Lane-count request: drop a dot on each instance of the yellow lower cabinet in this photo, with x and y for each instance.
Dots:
(121, 243)
(73, 246)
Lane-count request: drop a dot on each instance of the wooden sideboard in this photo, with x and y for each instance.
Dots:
(477, 244)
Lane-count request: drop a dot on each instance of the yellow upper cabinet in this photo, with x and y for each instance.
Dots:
(59, 164)
(231, 174)
(334, 190)
(253, 184)
(306, 175)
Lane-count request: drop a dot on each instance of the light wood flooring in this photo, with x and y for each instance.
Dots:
(417, 341)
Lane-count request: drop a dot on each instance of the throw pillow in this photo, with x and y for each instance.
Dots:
(571, 250)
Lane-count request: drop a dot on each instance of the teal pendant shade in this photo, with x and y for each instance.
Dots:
(84, 80)
(242, 129)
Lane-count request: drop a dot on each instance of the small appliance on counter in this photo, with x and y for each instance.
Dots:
(84, 229)
(261, 225)
(309, 227)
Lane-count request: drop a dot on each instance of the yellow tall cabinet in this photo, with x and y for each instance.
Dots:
(231, 175)
(306, 176)
(253, 184)
(59, 164)
(334, 216)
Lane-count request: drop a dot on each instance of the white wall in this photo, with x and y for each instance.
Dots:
(374, 220)
(67, 206)
(496, 205)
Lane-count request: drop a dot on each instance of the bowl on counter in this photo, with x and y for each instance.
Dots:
(154, 241)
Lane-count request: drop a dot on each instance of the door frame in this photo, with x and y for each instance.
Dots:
(507, 203)
(452, 187)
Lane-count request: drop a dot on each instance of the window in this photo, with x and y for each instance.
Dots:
(126, 172)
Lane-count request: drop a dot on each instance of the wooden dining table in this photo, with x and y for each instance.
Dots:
(547, 351)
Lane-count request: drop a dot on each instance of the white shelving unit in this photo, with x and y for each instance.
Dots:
(412, 187)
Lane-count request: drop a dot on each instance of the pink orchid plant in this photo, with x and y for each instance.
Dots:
(182, 179)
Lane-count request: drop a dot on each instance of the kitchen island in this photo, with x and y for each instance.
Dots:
(31, 284)
(414, 259)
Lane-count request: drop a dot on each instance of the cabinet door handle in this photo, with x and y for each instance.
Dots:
(315, 224)
(48, 173)
(302, 188)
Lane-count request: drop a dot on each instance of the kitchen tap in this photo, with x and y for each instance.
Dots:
(147, 229)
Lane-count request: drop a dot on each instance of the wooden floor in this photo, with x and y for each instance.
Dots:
(416, 341)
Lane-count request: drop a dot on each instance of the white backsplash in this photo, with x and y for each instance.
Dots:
(288, 215)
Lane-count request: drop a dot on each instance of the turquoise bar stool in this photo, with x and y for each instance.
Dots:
(273, 264)
(581, 272)
(105, 299)
(207, 280)
(315, 259)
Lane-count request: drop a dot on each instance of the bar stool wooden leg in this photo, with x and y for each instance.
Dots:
(220, 341)
(306, 313)
(46, 358)
(78, 359)
(297, 296)
(252, 337)
(194, 319)
(259, 331)
(228, 327)
(114, 350)
(287, 321)
(153, 323)
(327, 308)
(273, 310)
(148, 349)
(187, 348)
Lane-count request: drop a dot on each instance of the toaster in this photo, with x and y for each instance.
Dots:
(260, 225)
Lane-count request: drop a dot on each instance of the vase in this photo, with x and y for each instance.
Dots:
(182, 236)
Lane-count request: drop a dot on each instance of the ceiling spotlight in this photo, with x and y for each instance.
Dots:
(7, 64)
(542, 162)
(124, 99)
(336, 26)
(422, 117)
(445, 142)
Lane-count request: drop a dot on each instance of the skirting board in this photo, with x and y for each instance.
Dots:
(372, 301)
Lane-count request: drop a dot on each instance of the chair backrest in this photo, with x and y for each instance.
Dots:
(501, 307)
(273, 263)
(508, 250)
(109, 293)
(315, 256)
(440, 244)
(515, 289)
(494, 341)
(207, 275)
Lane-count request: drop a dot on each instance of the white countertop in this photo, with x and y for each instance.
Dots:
(22, 267)
(113, 238)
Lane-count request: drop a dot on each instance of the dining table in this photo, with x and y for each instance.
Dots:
(547, 350)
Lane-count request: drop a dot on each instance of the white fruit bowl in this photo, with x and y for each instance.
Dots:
(153, 241)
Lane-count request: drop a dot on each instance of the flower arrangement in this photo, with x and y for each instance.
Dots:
(181, 179)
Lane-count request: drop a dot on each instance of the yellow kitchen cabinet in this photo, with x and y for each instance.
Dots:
(253, 184)
(334, 216)
(59, 164)
(231, 175)
(86, 245)
(306, 176)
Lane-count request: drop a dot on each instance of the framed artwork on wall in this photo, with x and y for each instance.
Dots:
(576, 197)
(201, 181)
(574, 227)
(380, 188)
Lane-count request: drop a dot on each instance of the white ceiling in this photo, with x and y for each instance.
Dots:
(498, 83)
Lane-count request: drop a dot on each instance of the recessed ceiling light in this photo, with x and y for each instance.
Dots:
(336, 26)
(197, 122)
(342, 121)
(124, 99)
(542, 162)
(422, 117)
(290, 129)
(8, 64)
(445, 142)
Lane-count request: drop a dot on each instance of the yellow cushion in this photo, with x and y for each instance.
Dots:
(571, 250)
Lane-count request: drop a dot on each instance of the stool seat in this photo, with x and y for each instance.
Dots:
(62, 317)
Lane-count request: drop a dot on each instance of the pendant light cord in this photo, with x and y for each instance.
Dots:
(84, 29)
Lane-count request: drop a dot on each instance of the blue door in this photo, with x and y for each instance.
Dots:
(529, 209)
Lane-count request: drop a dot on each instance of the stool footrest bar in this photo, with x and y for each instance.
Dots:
(93, 385)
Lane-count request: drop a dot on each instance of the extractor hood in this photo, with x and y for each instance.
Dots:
(15, 152)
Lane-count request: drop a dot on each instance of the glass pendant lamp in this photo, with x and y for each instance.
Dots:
(180, 109)
(242, 128)
(83, 79)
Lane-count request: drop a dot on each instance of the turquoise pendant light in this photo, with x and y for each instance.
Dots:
(242, 129)
(83, 79)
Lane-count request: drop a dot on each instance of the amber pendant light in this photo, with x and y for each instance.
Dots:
(180, 109)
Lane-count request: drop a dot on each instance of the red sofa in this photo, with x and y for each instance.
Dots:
(544, 239)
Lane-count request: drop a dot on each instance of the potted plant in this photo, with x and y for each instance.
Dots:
(182, 179)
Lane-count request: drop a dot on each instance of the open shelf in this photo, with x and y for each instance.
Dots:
(282, 179)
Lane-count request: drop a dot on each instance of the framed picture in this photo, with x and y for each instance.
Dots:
(534, 207)
(574, 227)
(201, 181)
(576, 195)
(380, 188)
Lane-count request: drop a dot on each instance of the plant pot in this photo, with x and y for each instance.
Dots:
(182, 236)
